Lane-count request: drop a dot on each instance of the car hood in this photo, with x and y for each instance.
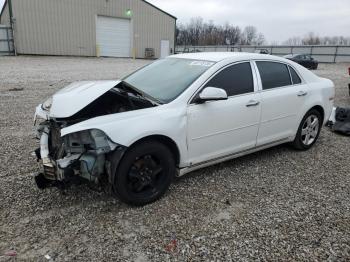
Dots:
(71, 99)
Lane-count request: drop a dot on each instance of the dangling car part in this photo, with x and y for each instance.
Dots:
(340, 121)
(175, 116)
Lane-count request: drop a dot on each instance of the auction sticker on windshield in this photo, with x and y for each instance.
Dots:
(201, 63)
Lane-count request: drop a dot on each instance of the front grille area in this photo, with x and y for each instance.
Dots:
(55, 141)
(49, 172)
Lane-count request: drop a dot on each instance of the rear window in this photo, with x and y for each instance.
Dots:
(273, 74)
(295, 78)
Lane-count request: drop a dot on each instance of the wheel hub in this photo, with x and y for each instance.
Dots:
(310, 130)
(144, 173)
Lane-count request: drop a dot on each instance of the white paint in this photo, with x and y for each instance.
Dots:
(222, 127)
(216, 130)
(113, 36)
(164, 48)
(77, 95)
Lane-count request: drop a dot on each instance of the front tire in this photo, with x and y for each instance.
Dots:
(308, 131)
(144, 173)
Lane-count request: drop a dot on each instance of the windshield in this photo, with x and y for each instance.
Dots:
(165, 79)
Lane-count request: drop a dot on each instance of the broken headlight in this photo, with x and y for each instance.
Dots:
(47, 104)
(87, 140)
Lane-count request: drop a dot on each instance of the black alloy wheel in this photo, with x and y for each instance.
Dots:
(145, 173)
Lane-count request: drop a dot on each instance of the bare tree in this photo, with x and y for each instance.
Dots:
(198, 32)
(260, 39)
(313, 39)
(296, 40)
(249, 35)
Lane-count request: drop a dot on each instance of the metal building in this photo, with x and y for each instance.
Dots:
(116, 28)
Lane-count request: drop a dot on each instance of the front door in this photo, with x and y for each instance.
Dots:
(220, 128)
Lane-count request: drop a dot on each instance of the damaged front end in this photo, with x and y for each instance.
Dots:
(81, 155)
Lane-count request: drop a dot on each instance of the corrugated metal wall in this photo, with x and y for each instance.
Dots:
(68, 27)
(5, 17)
(326, 54)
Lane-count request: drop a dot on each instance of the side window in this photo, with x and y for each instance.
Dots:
(235, 80)
(273, 74)
(295, 78)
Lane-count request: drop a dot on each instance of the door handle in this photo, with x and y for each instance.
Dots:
(302, 93)
(252, 103)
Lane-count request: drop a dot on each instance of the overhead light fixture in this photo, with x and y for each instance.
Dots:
(128, 13)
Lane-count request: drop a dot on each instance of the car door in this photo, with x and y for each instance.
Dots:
(309, 61)
(281, 101)
(304, 61)
(220, 128)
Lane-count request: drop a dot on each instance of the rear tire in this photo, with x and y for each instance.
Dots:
(308, 131)
(144, 173)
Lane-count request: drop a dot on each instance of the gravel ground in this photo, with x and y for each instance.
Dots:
(277, 204)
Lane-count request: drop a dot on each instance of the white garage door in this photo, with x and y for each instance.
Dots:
(113, 36)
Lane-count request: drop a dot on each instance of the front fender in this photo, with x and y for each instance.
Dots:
(127, 128)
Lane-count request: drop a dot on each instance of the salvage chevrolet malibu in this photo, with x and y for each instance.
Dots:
(174, 116)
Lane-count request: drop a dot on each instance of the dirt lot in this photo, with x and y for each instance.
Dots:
(278, 204)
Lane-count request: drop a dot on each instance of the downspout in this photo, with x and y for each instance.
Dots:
(12, 25)
(175, 38)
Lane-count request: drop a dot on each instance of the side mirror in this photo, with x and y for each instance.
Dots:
(212, 94)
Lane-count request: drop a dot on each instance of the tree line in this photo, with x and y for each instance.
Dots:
(313, 39)
(200, 32)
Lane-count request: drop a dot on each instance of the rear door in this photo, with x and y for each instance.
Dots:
(282, 96)
(220, 128)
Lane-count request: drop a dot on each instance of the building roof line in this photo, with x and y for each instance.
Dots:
(3, 8)
(159, 9)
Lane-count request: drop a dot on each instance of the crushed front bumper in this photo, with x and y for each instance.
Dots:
(74, 157)
(42, 153)
(50, 169)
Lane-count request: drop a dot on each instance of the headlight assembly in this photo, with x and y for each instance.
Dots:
(86, 140)
(47, 104)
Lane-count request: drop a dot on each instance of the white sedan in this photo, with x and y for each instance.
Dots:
(174, 116)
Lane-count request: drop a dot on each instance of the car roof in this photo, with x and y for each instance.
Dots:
(220, 56)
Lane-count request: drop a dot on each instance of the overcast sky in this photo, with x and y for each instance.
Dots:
(276, 19)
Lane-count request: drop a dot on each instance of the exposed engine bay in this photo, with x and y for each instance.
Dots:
(117, 100)
(83, 154)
